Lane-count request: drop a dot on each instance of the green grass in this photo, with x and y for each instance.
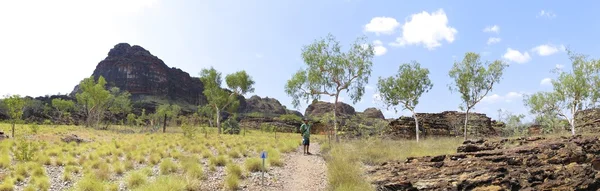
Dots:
(234, 170)
(232, 182)
(218, 161)
(164, 183)
(167, 166)
(254, 165)
(344, 159)
(136, 179)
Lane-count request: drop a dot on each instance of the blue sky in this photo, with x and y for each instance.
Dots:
(47, 48)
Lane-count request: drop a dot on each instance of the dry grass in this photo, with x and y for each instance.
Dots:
(112, 157)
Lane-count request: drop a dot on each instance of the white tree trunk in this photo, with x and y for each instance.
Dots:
(218, 120)
(572, 123)
(466, 122)
(335, 119)
(416, 126)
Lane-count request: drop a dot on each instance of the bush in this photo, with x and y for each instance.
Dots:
(232, 182)
(136, 179)
(231, 126)
(189, 131)
(290, 117)
(167, 166)
(254, 165)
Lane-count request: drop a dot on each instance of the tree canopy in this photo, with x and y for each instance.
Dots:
(405, 88)
(474, 79)
(330, 71)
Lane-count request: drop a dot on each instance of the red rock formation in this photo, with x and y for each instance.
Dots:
(136, 70)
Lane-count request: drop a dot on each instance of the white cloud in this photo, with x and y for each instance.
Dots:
(495, 98)
(516, 56)
(547, 49)
(546, 81)
(493, 40)
(495, 29)
(379, 48)
(427, 30)
(547, 14)
(382, 25)
(560, 66)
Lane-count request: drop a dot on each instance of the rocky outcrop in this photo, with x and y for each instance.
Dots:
(373, 113)
(448, 123)
(264, 105)
(74, 138)
(566, 163)
(320, 108)
(142, 74)
(3, 136)
(588, 120)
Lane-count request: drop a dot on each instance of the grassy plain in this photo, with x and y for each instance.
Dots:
(134, 161)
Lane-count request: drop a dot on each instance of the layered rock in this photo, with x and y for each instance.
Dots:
(588, 120)
(264, 105)
(447, 123)
(373, 113)
(257, 111)
(320, 108)
(567, 163)
(142, 74)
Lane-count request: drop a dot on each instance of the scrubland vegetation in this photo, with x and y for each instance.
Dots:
(137, 161)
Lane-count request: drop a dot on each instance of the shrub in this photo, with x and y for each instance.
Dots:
(167, 166)
(189, 131)
(25, 150)
(232, 182)
(34, 128)
(231, 126)
(89, 183)
(218, 161)
(136, 179)
(254, 165)
(234, 169)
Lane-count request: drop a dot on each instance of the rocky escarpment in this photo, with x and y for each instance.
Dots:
(136, 70)
(257, 111)
(567, 163)
(588, 120)
(373, 113)
(320, 108)
(447, 123)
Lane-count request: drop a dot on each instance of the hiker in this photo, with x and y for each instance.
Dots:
(305, 132)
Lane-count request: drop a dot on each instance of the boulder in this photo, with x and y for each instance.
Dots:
(3, 136)
(264, 105)
(74, 138)
(373, 113)
(320, 108)
(447, 123)
(567, 163)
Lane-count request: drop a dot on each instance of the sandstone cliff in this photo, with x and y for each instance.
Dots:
(145, 76)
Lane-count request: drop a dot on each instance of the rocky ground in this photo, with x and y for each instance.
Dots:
(566, 163)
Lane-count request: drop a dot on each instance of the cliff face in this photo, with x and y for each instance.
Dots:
(447, 123)
(136, 70)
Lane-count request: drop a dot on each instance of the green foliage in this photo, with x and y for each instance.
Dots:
(136, 179)
(331, 71)
(189, 131)
(514, 125)
(15, 105)
(231, 126)
(473, 79)
(290, 117)
(64, 107)
(254, 165)
(131, 119)
(25, 150)
(255, 114)
(573, 91)
(93, 97)
(166, 111)
(405, 88)
(34, 128)
(239, 83)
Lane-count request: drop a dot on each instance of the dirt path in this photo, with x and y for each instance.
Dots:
(305, 172)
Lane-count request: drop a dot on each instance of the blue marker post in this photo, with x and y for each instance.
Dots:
(263, 155)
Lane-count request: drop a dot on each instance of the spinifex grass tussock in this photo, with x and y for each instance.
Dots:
(136, 179)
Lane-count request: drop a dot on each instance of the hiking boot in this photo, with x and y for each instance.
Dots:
(309, 153)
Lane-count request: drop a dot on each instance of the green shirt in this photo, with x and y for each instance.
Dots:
(305, 130)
